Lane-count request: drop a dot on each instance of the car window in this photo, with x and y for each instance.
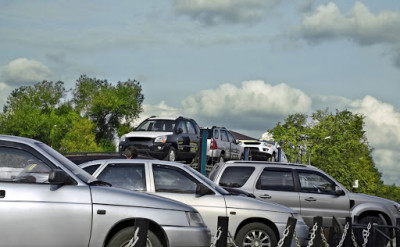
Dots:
(281, 180)
(175, 180)
(314, 182)
(216, 134)
(224, 136)
(230, 137)
(236, 176)
(127, 176)
(183, 127)
(91, 169)
(190, 128)
(19, 166)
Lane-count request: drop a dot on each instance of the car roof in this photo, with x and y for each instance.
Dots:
(134, 160)
(18, 139)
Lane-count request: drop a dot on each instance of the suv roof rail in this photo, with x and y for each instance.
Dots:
(265, 162)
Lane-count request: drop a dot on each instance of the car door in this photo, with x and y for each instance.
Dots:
(234, 147)
(34, 212)
(277, 185)
(318, 198)
(175, 183)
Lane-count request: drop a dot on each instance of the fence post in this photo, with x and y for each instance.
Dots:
(223, 237)
(143, 225)
(348, 241)
(335, 232)
(291, 224)
(318, 239)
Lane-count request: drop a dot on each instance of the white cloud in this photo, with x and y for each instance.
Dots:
(360, 25)
(252, 98)
(23, 71)
(225, 11)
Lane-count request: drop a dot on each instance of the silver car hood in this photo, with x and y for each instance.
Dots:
(255, 204)
(122, 197)
(359, 198)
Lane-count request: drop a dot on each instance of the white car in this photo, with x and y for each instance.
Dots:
(252, 222)
(263, 150)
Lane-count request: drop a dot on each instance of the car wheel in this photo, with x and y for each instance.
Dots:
(171, 156)
(379, 240)
(256, 234)
(122, 238)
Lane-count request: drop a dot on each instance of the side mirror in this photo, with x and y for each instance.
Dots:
(203, 190)
(59, 177)
(179, 131)
(339, 191)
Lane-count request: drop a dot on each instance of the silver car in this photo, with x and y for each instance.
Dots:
(46, 200)
(252, 222)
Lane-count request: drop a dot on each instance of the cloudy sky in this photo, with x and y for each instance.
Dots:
(242, 64)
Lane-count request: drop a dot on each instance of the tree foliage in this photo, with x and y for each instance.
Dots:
(87, 120)
(335, 143)
(108, 106)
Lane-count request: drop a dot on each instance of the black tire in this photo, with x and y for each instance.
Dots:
(122, 238)
(379, 241)
(256, 234)
(171, 156)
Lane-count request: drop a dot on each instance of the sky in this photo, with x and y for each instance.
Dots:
(242, 64)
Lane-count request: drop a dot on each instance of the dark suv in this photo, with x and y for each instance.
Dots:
(170, 139)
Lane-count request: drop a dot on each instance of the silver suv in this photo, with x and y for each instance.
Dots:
(308, 190)
(222, 146)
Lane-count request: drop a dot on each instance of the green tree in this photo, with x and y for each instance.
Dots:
(108, 106)
(335, 143)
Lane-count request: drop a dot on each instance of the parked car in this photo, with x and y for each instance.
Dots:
(252, 222)
(173, 139)
(307, 189)
(81, 157)
(263, 150)
(222, 146)
(47, 200)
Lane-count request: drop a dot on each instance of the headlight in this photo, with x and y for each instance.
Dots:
(194, 219)
(162, 139)
(123, 138)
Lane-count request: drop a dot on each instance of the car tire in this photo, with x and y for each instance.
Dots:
(122, 238)
(379, 241)
(256, 234)
(171, 155)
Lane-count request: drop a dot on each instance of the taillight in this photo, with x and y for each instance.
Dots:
(213, 144)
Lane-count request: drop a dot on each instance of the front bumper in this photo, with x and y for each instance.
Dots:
(156, 150)
(188, 236)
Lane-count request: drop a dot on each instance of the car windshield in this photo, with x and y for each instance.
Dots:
(157, 125)
(203, 178)
(68, 164)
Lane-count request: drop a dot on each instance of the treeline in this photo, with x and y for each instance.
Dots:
(336, 143)
(87, 117)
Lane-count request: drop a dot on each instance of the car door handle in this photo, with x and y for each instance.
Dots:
(266, 196)
(2, 193)
(310, 199)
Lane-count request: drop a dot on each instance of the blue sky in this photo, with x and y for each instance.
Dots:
(242, 64)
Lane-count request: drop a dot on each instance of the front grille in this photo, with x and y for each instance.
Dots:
(139, 139)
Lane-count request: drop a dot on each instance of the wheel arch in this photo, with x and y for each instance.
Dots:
(153, 226)
(258, 220)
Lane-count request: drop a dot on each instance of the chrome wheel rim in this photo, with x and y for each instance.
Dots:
(257, 238)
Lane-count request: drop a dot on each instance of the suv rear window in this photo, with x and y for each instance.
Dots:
(236, 176)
